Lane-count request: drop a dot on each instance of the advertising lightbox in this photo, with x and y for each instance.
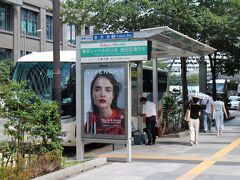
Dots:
(104, 101)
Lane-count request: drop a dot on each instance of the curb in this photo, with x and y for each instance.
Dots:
(176, 135)
(77, 169)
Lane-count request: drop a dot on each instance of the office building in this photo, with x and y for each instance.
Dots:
(27, 26)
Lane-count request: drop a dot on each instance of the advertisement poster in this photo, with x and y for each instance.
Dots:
(104, 92)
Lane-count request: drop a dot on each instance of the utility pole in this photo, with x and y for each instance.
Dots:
(56, 90)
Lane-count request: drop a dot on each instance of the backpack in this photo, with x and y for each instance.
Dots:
(204, 106)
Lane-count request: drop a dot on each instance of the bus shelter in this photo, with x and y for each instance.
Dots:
(168, 43)
(113, 54)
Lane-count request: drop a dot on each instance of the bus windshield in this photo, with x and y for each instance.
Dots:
(39, 77)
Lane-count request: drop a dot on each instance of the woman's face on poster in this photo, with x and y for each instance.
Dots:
(102, 92)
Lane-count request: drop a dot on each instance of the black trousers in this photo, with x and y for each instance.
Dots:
(150, 125)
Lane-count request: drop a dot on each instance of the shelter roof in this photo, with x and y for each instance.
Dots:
(167, 42)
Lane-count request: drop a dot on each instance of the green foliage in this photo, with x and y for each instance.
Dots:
(67, 163)
(159, 64)
(108, 15)
(171, 115)
(173, 79)
(27, 113)
(33, 125)
(193, 79)
(4, 72)
(215, 23)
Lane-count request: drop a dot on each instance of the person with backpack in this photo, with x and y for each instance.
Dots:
(207, 106)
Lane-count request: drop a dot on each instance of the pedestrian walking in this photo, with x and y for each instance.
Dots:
(149, 111)
(206, 113)
(193, 123)
(218, 112)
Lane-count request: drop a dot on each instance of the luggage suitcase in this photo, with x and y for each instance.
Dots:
(144, 138)
(137, 138)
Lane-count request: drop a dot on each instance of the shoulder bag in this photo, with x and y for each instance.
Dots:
(187, 114)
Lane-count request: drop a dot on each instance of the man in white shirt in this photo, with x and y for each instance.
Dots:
(149, 111)
(207, 114)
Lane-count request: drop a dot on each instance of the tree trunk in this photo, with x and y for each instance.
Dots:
(213, 69)
(202, 75)
(184, 86)
(184, 79)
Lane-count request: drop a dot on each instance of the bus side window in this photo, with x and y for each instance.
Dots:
(73, 72)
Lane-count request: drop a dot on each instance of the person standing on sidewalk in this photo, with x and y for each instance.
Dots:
(149, 111)
(218, 110)
(195, 112)
(207, 105)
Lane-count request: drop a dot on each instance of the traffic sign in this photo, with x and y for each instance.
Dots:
(114, 51)
(113, 36)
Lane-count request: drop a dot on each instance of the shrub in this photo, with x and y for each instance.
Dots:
(171, 115)
(34, 127)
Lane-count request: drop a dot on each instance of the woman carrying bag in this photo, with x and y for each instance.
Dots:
(193, 123)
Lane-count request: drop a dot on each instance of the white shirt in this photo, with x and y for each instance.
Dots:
(149, 109)
(208, 103)
(218, 105)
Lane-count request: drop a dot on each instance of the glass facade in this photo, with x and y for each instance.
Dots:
(29, 22)
(5, 53)
(4, 16)
(21, 30)
(71, 34)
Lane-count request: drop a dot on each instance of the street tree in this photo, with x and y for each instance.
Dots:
(109, 16)
(126, 15)
(220, 21)
(212, 22)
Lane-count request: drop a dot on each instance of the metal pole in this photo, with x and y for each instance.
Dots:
(79, 142)
(129, 114)
(25, 38)
(155, 83)
(24, 42)
(56, 90)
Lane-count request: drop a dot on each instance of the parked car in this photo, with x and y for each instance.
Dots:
(235, 102)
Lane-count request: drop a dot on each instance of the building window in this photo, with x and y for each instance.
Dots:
(87, 30)
(23, 53)
(49, 27)
(29, 22)
(71, 34)
(4, 16)
(5, 53)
